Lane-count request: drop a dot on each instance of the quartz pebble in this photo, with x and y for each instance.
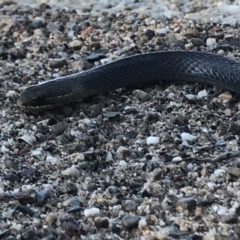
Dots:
(187, 137)
(91, 212)
(152, 140)
(202, 94)
(72, 171)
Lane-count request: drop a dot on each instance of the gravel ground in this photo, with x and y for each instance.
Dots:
(158, 162)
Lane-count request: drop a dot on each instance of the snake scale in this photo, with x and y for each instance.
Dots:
(163, 66)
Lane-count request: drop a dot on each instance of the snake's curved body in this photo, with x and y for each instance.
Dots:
(170, 66)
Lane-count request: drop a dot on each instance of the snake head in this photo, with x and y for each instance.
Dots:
(33, 98)
(49, 94)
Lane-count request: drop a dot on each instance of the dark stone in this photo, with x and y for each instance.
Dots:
(234, 171)
(28, 235)
(150, 34)
(59, 128)
(23, 209)
(130, 205)
(24, 198)
(31, 174)
(101, 222)
(12, 177)
(114, 190)
(229, 218)
(130, 222)
(186, 203)
(51, 236)
(38, 22)
(71, 228)
(57, 62)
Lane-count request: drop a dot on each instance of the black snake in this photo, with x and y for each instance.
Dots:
(170, 66)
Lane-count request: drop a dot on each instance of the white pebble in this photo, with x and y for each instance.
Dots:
(142, 223)
(185, 143)
(122, 163)
(105, 60)
(109, 156)
(4, 149)
(177, 159)
(190, 96)
(72, 171)
(27, 188)
(152, 140)
(222, 211)
(202, 94)
(210, 42)
(171, 95)
(91, 212)
(187, 137)
(11, 93)
(205, 130)
(162, 223)
(211, 185)
(161, 31)
(190, 166)
(49, 158)
(16, 226)
(80, 157)
(36, 153)
(218, 172)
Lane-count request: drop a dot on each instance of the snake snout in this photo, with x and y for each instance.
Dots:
(31, 96)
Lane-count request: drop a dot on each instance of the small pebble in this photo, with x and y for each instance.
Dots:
(187, 137)
(122, 163)
(130, 222)
(38, 22)
(72, 171)
(219, 172)
(211, 43)
(76, 44)
(190, 96)
(57, 62)
(101, 222)
(152, 140)
(177, 159)
(142, 224)
(89, 212)
(225, 96)
(202, 94)
(130, 205)
(186, 203)
(59, 128)
(141, 96)
(234, 171)
(229, 218)
(42, 196)
(228, 112)
(51, 218)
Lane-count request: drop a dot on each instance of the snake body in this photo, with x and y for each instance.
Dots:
(164, 66)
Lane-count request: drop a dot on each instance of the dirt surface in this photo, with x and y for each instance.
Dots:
(158, 162)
